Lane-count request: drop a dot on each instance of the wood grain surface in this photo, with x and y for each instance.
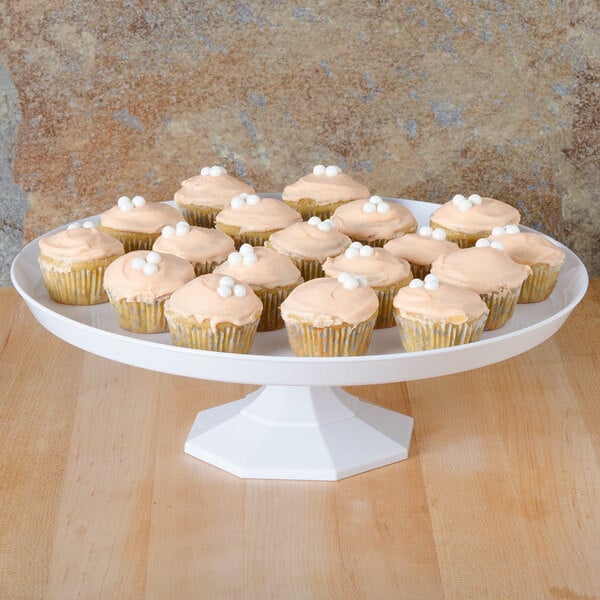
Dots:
(500, 496)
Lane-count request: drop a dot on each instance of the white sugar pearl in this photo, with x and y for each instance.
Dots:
(138, 201)
(319, 170)
(224, 291)
(150, 268)
(215, 171)
(205, 171)
(237, 202)
(351, 284)
(253, 199)
(244, 195)
(366, 251)
(250, 259)
(431, 285)
(368, 207)
(499, 230)
(89, 224)
(239, 290)
(356, 245)
(426, 231)
(330, 222)
(458, 198)
(497, 245)
(383, 207)
(475, 199)
(512, 229)
(168, 231)
(375, 199)
(227, 281)
(74, 226)
(351, 252)
(482, 243)
(431, 277)
(438, 234)
(153, 257)
(361, 280)
(137, 264)
(464, 205)
(234, 258)
(416, 283)
(332, 171)
(324, 226)
(246, 249)
(314, 221)
(343, 276)
(182, 228)
(124, 203)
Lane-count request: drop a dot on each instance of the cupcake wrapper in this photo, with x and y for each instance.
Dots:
(309, 208)
(462, 239)
(310, 269)
(132, 241)
(502, 307)
(418, 335)
(385, 316)
(420, 271)
(271, 299)
(140, 317)
(199, 216)
(226, 337)
(254, 238)
(540, 284)
(337, 340)
(204, 268)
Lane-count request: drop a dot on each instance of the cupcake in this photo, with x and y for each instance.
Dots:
(137, 223)
(73, 262)
(465, 220)
(309, 244)
(213, 312)
(203, 196)
(374, 221)
(431, 314)
(489, 271)
(250, 219)
(380, 269)
(137, 285)
(270, 274)
(204, 248)
(330, 317)
(543, 257)
(319, 193)
(421, 249)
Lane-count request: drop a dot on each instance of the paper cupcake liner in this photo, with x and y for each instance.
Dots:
(419, 271)
(540, 284)
(226, 337)
(310, 268)
(254, 238)
(417, 335)
(462, 239)
(140, 317)
(385, 316)
(131, 240)
(271, 299)
(205, 267)
(199, 216)
(337, 340)
(502, 307)
(309, 208)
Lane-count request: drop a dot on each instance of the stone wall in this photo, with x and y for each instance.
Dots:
(415, 99)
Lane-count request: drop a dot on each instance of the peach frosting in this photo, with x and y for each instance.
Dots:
(148, 218)
(270, 270)
(208, 190)
(309, 241)
(198, 245)
(79, 244)
(445, 303)
(354, 221)
(482, 270)
(324, 189)
(266, 215)
(325, 302)
(478, 218)
(419, 249)
(381, 268)
(530, 248)
(123, 282)
(199, 298)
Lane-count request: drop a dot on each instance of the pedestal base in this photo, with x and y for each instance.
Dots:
(299, 432)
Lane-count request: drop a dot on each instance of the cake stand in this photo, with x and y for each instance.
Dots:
(300, 424)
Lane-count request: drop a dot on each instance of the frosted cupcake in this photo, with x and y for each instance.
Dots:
(431, 314)
(421, 249)
(213, 312)
(204, 248)
(137, 285)
(374, 221)
(309, 244)
(270, 274)
(543, 257)
(203, 196)
(250, 219)
(465, 220)
(319, 193)
(136, 223)
(73, 262)
(490, 272)
(330, 317)
(385, 273)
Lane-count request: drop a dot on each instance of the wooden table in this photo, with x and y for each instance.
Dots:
(500, 497)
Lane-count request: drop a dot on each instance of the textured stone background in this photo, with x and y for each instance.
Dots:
(416, 99)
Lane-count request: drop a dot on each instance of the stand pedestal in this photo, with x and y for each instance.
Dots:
(299, 432)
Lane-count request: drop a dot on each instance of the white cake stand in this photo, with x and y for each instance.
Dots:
(299, 424)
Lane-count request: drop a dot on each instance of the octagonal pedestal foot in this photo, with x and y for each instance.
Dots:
(299, 432)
